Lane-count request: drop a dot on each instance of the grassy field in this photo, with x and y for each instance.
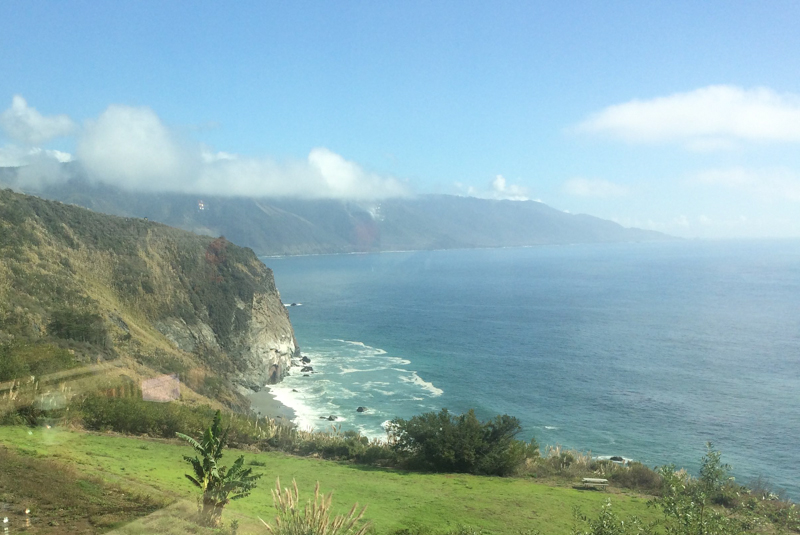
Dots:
(154, 470)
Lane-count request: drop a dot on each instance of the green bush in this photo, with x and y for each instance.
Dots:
(636, 476)
(22, 360)
(442, 442)
(79, 326)
(608, 523)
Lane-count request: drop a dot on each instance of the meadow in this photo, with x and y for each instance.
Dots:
(153, 471)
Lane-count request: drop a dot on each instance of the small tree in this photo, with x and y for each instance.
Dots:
(218, 483)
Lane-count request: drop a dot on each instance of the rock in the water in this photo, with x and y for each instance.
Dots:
(361, 409)
(307, 369)
(294, 390)
(305, 360)
(617, 458)
(330, 418)
(306, 375)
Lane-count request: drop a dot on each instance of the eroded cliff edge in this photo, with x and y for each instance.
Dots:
(154, 298)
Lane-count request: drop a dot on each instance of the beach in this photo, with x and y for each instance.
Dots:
(265, 404)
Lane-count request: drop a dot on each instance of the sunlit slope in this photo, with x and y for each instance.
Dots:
(79, 288)
(396, 499)
(313, 226)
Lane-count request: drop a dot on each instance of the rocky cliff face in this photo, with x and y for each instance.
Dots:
(266, 346)
(166, 299)
(262, 351)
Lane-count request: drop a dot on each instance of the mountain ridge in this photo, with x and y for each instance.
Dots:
(290, 226)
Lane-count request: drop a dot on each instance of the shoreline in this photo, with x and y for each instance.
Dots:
(264, 403)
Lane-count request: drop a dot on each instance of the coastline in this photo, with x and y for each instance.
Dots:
(264, 403)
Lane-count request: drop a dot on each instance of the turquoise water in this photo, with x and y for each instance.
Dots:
(641, 350)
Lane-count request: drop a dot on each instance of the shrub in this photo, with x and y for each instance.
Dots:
(636, 476)
(688, 504)
(22, 360)
(442, 442)
(607, 523)
(79, 326)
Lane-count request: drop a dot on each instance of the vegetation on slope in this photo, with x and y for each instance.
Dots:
(59, 497)
(397, 499)
(79, 288)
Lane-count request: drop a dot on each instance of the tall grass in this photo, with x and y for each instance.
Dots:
(315, 517)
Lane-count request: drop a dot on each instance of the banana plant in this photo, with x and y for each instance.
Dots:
(219, 484)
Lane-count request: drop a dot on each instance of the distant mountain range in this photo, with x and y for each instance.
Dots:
(313, 226)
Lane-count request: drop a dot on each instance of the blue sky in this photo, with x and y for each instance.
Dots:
(682, 117)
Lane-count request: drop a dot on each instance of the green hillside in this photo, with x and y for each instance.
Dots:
(80, 289)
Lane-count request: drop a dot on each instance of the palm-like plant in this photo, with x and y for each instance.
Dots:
(218, 483)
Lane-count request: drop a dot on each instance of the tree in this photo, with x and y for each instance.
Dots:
(218, 483)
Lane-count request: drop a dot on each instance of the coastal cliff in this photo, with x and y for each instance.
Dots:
(149, 298)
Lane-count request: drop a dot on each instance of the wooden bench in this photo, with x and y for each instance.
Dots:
(594, 482)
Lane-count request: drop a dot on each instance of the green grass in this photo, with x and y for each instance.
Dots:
(396, 499)
(63, 498)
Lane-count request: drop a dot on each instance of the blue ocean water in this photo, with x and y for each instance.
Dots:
(644, 350)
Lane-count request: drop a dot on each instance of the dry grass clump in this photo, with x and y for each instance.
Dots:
(315, 517)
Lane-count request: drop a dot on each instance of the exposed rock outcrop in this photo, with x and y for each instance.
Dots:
(264, 350)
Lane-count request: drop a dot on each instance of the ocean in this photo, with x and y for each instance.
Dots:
(643, 350)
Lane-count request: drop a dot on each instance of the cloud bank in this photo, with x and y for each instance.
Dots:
(132, 148)
(709, 118)
(499, 189)
(26, 125)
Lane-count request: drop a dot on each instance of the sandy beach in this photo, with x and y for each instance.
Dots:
(265, 404)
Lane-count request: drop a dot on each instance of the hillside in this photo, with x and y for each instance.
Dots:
(134, 299)
(399, 502)
(304, 226)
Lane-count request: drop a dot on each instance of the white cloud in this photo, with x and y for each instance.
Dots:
(709, 118)
(132, 148)
(36, 167)
(767, 184)
(502, 190)
(16, 156)
(26, 125)
(499, 189)
(584, 187)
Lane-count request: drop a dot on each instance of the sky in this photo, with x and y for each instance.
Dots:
(677, 116)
